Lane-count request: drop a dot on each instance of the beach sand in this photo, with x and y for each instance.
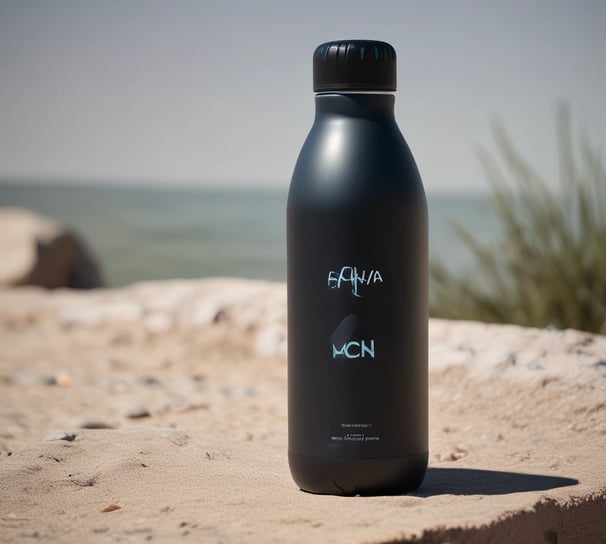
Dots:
(157, 412)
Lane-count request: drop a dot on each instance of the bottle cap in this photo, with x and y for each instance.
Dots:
(354, 65)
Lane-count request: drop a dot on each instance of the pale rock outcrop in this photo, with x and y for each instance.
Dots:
(37, 251)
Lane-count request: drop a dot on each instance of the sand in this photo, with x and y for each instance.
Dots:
(165, 405)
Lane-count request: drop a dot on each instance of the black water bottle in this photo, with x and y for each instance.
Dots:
(357, 286)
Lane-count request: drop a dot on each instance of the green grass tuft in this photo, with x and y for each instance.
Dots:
(549, 266)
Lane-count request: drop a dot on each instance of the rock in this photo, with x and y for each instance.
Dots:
(60, 435)
(48, 380)
(63, 379)
(110, 507)
(138, 412)
(26, 378)
(148, 381)
(86, 423)
(38, 251)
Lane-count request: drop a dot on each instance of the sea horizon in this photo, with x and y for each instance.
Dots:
(142, 232)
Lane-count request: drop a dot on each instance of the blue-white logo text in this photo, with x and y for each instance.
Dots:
(350, 275)
(354, 350)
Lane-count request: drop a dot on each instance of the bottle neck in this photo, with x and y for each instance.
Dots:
(369, 106)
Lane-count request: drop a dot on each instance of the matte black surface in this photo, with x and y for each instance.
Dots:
(357, 354)
(388, 476)
(354, 65)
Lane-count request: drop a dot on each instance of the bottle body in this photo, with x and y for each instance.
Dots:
(357, 303)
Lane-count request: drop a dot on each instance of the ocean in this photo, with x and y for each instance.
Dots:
(141, 233)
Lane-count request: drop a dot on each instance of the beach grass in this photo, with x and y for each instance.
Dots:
(548, 267)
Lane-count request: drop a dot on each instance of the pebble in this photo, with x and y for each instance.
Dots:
(147, 380)
(93, 424)
(48, 380)
(138, 412)
(25, 378)
(60, 435)
(63, 379)
(110, 507)
(456, 454)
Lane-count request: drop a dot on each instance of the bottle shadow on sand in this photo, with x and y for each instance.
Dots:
(468, 481)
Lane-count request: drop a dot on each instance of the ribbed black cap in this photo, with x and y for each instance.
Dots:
(354, 65)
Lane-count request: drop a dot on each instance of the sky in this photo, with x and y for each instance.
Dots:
(219, 94)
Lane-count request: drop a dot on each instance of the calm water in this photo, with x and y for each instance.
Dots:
(143, 234)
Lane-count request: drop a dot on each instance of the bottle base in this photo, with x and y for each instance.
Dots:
(342, 476)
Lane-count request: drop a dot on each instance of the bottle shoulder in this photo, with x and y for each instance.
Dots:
(355, 161)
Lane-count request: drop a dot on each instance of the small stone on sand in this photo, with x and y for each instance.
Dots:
(147, 380)
(63, 379)
(138, 412)
(94, 424)
(59, 435)
(110, 507)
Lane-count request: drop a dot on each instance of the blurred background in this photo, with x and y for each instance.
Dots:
(165, 133)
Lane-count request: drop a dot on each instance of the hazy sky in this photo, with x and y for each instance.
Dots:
(219, 93)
